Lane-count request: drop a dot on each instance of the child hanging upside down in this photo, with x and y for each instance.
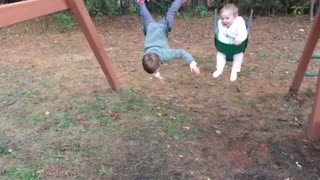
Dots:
(231, 30)
(156, 46)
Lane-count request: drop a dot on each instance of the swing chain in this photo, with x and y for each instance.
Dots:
(253, 4)
(215, 4)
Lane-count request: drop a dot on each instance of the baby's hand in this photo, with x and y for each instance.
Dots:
(237, 43)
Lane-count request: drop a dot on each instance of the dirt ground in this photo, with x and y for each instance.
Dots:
(247, 129)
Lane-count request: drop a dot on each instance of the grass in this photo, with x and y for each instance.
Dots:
(270, 125)
(181, 72)
(25, 173)
(74, 133)
(105, 171)
(310, 92)
(271, 56)
(3, 145)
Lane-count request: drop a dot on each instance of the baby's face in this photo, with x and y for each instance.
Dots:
(227, 18)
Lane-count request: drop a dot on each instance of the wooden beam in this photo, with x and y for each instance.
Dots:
(306, 55)
(79, 10)
(25, 10)
(313, 130)
(14, 13)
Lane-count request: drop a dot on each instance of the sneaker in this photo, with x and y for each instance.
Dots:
(233, 76)
(184, 3)
(217, 73)
(140, 1)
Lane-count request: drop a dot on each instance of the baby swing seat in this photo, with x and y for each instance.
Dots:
(230, 49)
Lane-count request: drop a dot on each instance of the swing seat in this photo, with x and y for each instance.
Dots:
(230, 49)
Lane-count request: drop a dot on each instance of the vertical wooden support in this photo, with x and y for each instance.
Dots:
(79, 10)
(313, 130)
(306, 55)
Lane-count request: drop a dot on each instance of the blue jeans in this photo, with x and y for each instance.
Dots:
(170, 16)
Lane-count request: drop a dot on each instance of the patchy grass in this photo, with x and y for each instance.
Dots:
(270, 126)
(77, 133)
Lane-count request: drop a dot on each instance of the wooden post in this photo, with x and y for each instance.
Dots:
(79, 10)
(313, 130)
(306, 55)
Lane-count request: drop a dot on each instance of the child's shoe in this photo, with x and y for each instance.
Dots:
(184, 3)
(233, 76)
(140, 1)
(217, 73)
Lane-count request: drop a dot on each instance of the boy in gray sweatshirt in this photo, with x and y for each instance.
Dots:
(156, 46)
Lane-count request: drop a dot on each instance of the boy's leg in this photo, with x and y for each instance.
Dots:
(171, 14)
(221, 62)
(145, 14)
(236, 66)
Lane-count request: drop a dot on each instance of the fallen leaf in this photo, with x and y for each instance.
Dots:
(40, 171)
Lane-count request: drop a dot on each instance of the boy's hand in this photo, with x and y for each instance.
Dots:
(194, 69)
(159, 77)
(237, 43)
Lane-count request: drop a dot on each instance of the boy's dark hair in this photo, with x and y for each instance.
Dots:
(150, 62)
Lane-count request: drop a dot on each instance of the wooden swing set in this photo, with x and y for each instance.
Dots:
(17, 12)
(313, 129)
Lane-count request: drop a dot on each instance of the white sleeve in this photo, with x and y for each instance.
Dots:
(242, 31)
(193, 64)
(222, 33)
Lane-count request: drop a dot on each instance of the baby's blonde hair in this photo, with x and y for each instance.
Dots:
(230, 7)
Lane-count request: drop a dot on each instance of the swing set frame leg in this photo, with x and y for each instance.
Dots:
(306, 56)
(313, 129)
